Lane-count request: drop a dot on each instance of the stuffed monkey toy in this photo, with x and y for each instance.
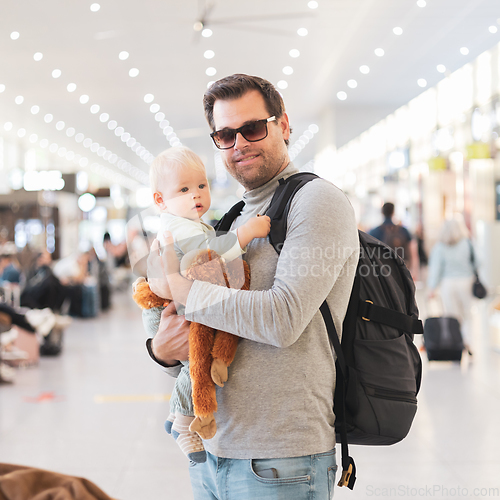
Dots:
(210, 351)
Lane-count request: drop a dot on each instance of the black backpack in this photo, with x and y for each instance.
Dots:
(378, 366)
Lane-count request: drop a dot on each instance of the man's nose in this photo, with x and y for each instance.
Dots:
(240, 142)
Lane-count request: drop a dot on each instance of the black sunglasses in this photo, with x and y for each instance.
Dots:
(253, 132)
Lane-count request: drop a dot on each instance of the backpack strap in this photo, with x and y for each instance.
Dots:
(225, 223)
(348, 477)
(280, 206)
(370, 312)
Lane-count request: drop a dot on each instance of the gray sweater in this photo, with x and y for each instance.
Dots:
(278, 399)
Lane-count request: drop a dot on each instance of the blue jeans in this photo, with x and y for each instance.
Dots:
(310, 477)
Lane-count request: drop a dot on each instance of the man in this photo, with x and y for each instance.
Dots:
(397, 237)
(275, 423)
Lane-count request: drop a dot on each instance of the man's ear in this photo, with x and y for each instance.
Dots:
(285, 126)
(159, 202)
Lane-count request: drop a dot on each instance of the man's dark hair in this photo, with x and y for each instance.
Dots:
(234, 86)
(388, 209)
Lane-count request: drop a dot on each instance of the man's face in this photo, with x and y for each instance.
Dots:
(252, 164)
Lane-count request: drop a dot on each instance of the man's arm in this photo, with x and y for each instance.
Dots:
(322, 241)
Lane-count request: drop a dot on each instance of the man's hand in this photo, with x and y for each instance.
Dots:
(157, 277)
(170, 344)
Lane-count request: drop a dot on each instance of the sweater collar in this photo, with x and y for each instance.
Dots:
(263, 192)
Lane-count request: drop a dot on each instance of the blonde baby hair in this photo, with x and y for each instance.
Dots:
(175, 158)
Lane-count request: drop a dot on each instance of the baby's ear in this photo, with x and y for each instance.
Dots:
(158, 199)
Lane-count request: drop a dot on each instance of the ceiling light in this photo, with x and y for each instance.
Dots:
(84, 99)
(60, 125)
(211, 71)
(44, 143)
(130, 142)
(302, 32)
(133, 72)
(119, 131)
(21, 132)
(422, 82)
(94, 147)
(341, 95)
(112, 124)
(53, 147)
(48, 118)
(210, 83)
(104, 117)
(379, 52)
(19, 99)
(159, 116)
(71, 87)
(101, 151)
(95, 108)
(83, 162)
(164, 123)
(14, 35)
(397, 30)
(149, 98)
(294, 53)
(136, 146)
(313, 128)
(35, 109)
(209, 54)
(493, 29)
(125, 137)
(464, 51)
(61, 151)
(123, 55)
(364, 69)
(441, 68)
(56, 73)
(95, 7)
(37, 56)
(8, 126)
(207, 33)
(79, 137)
(352, 84)
(2, 87)
(312, 4)
(282, 84)
(154, 108)
(87, 201)
(421, 3)
(87, 142)
(70, 155)
(70, 132)
(288, 70)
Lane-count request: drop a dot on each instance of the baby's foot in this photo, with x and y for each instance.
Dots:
(188, 441)
(204, 426)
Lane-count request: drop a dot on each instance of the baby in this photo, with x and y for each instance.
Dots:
(181, 192)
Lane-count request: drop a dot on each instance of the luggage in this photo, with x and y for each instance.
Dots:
(379, 368)
(443, 339)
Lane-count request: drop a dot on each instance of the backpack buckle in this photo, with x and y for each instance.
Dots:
(346, 475)
(369, 302)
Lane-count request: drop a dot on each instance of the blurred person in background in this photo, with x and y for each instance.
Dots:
(10, 269)
(399, 238)
(450, 267)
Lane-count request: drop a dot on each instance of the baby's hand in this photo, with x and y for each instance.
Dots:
(259, 227)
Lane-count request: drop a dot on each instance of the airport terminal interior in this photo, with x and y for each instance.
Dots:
(394, 101)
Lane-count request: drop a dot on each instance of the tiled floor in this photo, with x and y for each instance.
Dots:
(106, 420)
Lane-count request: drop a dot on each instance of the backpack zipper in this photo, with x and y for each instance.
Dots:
(378, 392)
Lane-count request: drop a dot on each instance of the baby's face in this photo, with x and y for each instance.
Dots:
(186, 194)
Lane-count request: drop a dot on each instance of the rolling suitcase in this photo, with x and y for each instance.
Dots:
(443, 339)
